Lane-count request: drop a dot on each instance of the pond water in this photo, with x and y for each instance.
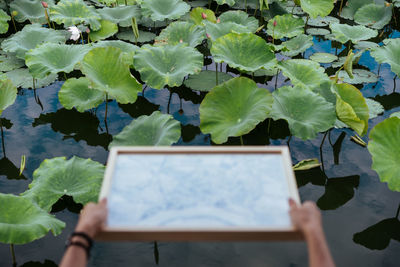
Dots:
(347, 191)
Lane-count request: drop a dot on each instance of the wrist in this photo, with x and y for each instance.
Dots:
(312, 229)
(89, 230)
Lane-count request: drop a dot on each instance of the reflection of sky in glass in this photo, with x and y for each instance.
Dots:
(199, 191)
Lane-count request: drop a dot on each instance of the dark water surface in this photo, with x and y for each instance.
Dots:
(349, 193)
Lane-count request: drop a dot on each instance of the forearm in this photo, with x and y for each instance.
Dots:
(75, 256)
(318, 251)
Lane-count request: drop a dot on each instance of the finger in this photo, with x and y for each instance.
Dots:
(103, 202)
(292, 203)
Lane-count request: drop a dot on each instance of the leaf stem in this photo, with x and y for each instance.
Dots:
(13, 21)
(216, 73)
(2, 139)
(14, 262)
(341, 5)
(241, 141)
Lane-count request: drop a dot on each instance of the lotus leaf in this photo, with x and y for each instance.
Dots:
(77, 177)
(4, 18)
(154, 130)
(22, 78)
(74, 12)
(8, 94)
(144, 37)
(181, 32)
(121, 15)
(79, 94)
(54, 58)
(374, 107)
(245, 51)
(365, 45)
(196, 15)
(216, 30)
(317, 7)
(359, 76)
(303, 72)
(374, 16)
(322, 21)
(228, 2)
(385, 150)
(395, 114)
(323, 57)
(166, 65)
(240, 18)
(297, 45)
(317, 31)
(22, 221)
(306, 112)
(351, 107)
(164, 9)
(352, 6)
(198, 3)
(286, 26)
(10, 62)
(206, 80)
(389, 53)
(107, 29)
(109, 72)
(31, 10)
(149, 23)
(344, 33)
(324, 89)
(255, 4)
(306, 164)
(31, 36)
(127, 48)
(234, 108)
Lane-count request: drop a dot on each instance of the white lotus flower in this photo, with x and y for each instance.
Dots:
(75, 33)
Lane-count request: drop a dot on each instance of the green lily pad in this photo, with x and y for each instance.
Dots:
(352, 6)
(8, 94)
(306, 112)
(79, 94)
(286, 26)
(29, 37)
(4, 18)
(166, 65)
(323, 57)
(389, 53)
(303, 72)
(128, 35)
(317, 31)
(317, 7)
(77, 177)
(234, 108)
(10, 62)
(245, 51)
(365, 45)
(109, 72)
(385, 150)
(182, 32)
(360, 76)
(127, 48)
(297, 45)
(343, 33)
(54, 58)
(240, 18)
(321, 21)
(206, 80)
(22, 78)
(107, 29)
(74, 12)
(351, 107)
(228, 2)
(121, 15)
(154, 130)
(196, 15)
(21, 221)
(374, 107)
(31, 10)
(216, 30)
(164, 9)
(374, 16)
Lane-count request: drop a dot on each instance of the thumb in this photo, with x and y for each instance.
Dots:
(292, 203)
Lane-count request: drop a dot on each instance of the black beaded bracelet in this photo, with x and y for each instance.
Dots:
(85, 236)
(80, 244)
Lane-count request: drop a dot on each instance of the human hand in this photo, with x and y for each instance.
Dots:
(305, 217)
(93, 218)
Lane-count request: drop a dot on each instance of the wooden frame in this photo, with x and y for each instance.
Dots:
(200, 234)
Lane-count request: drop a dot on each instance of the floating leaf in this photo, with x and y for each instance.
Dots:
(245, 51)
(365, 45)
(22, 78)
(127, 48)
(54, 58)
(352, 6)
(31, 10)
(306, 112)
(323, 57)
(108, 72)
(128, 35)
(343, 33)
(166, 65)
(317, 31)
(241, 19)
(385, 150)
(306, 164)
(31, 36)
(21, 221)
(216, 30)
(351, 107)
(389, 53)
(77, 93)
(317, 7)
(321, 21)
(164, 9)
(107, 29)
(234, 108)
(374, 107)
(8, 94)
(373, 15)
(4, 18)
(77, 177)
(228, 2)
(120, 15)
(359, 76)
(286, 26)
(181, 32)
(303, 72)
(74, 12)
(154, 130)
(196, 15)
(297, 45)
(206, 80)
